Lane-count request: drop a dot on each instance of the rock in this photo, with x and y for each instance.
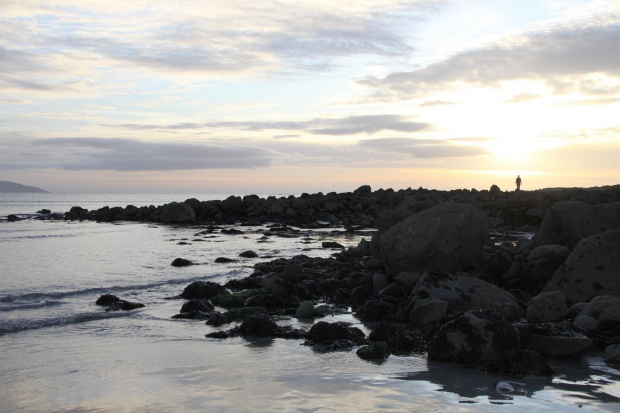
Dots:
(13, 218)
(427, 311)
(196, 309)
(464, 293)
(113, 303)
(553, 339)
(177, 213)
(259, 324)
(181, 262)
(216, 319)
(325, 333)
(474, 338)
(521, 363)
(243, 313)
(235, 299)
(305, 310)
(446, 237)
(591, 269)
(332, 244)
(547, 307)
(363, 190)
(389, 218)
(568, 222)
(379, 281)
(202, 290)
(248, 254)
(612, 354)
(374, 351)
(599, 307)
(378, 309)
(224, 260)
(399, 339)
(360, 295)
(293, 273)
(405, 278)
(495, 189)
(585, 322)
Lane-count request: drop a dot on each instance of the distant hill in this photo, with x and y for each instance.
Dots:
(6, 186)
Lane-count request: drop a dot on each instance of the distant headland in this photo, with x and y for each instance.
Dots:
(6, 186)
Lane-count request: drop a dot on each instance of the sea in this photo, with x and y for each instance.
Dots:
(60, 352)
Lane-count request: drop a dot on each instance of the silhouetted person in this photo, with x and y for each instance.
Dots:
(518, 181)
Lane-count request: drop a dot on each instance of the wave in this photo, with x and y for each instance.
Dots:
(14, 326)
(30, 306)
(20, 300)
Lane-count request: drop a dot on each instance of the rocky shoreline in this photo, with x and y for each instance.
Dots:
(443, 274)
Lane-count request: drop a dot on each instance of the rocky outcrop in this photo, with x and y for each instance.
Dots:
(566, 223)
(447, 237)
(591, 269)
(177, 213)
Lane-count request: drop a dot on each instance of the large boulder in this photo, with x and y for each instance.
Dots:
(591, 269)
(175, 213)
(547, 307)
(463, 293)
(202, 290)
(553, 339)
(446, 237)
(474, 338)
(566, 223)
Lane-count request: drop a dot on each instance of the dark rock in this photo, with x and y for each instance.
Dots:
(235, 299)
(176, 213)
(181, 262)
(374, 351)
(224, 260)
(332, 244)
(566, 223)
(522, 363)
(248, 254)
(202, 290)
(553, 339)
(400, 340)
(260, 324)
(243, 313)
(113, 303)
(195, 309)
(591, 269)
(13, 218)
(326, 333)
(446, 237)
(474, 338)
(216, 319)
(495, 189)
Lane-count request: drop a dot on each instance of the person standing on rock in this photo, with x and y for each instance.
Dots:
(518, 181)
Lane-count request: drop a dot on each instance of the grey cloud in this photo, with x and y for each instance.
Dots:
(423, 148)
(351, 125)
(133, 155)
(550, 56)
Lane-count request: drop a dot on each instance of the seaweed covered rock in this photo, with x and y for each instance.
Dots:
(399, 339)
(374, 351)
(553, 339)
(474, 338)
(334, 336)
(113, 303)
(202, 290)
(196, 309)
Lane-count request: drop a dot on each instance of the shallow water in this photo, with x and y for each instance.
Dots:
(61, 352)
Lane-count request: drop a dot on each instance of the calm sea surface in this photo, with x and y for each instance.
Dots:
(61, 352)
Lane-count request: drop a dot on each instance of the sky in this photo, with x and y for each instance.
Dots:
(307, 96)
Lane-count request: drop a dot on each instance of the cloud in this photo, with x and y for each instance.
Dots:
(423, 148)
(522, 97)
(563, 58)
(352, 125)
(129, 155)
(432, 103)
(590, 102)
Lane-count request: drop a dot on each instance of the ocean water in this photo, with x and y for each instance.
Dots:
(61, 352)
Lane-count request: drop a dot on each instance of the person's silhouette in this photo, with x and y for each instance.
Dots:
(518, 181)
